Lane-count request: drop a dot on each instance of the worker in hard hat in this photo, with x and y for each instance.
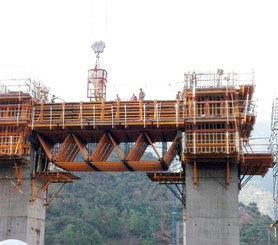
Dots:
(141, 94)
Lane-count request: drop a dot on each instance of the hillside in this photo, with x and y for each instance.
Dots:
(255, 229)
(111, 208)
(127, 208)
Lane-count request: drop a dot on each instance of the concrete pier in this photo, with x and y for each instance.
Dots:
(212, 209)
(19, 217)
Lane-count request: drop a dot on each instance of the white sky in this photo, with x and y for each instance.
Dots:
(149, 43)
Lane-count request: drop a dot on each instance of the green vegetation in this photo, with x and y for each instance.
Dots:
(255, 228)
(110, 208)
(127, 208)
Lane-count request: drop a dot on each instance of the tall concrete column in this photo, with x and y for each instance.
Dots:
(212, 209)
(19, 217)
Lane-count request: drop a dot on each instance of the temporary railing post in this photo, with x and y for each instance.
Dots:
(227, 123)
(144, 107)
(237, 141)
(227, 110)
(156, 114)
(33, 117)
(117, 115)
(194, 111)
(94, 116)
(17, 114)
(177, 114)
(11, 145)
(63, 115)
(246, 107)
(81, 115)
(140, 110)
(227, 142)
(112, 116)
(125, 117)
(102, 110)
(194, 142)
(155, 110)
(50, 119)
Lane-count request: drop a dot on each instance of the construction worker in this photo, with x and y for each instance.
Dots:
(133, 97)
(178, 95)
(117, 98)
(53, 98)
(141, 94)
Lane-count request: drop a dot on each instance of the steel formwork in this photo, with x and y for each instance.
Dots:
(211, 123)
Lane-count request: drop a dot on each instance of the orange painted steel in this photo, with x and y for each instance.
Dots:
(167, 177)
(212, 123)
(42, 180)
(15, 114)
(97, 160)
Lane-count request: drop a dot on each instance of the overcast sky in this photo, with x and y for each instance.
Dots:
(149, 43)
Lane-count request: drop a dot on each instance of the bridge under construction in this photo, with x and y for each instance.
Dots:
(207, 129)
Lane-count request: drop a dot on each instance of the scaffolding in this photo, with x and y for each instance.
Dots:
(274, 149)
(14, 120)
(211, 123)
(219, 114)
(17, 87)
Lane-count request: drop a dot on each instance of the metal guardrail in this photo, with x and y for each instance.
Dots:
(12, 145)
(217, 80)
(36, 89)
(257, 145)
(133, 112)
(213, 142)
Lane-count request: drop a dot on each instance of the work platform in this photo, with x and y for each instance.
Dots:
(210, 123)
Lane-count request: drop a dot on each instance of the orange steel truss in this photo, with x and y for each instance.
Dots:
(209, 124)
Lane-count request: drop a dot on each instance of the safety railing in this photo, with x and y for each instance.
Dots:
(217, 109)
(109, 113)
(14, 112)
(211, 142)
(217, 80)
(133, 112)
(12, 144)
(257, 145)
(36, 89)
